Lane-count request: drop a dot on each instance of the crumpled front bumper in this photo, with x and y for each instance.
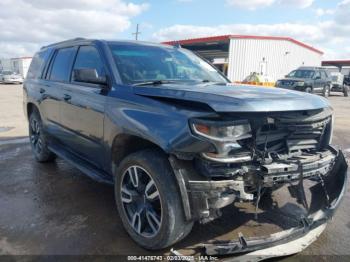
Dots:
(324, 201)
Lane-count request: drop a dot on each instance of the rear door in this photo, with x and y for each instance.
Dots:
(318, 82)
(326, 80)
(82, 110)
(51, 88)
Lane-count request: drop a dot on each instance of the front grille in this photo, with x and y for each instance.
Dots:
(292, 132)
(287, 83)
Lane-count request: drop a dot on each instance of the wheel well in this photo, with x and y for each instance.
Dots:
(30, 108)
(124, 145)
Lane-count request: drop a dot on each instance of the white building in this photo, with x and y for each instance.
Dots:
(19, 65)
(240, 55)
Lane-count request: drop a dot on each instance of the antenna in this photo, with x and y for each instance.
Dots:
(137, 33)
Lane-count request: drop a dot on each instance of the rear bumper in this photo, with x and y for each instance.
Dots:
(311, 226)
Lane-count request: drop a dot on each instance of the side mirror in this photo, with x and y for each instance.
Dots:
(88, 75)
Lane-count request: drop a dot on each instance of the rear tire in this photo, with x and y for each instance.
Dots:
(308, 90)
(38, 140)
(153, 173)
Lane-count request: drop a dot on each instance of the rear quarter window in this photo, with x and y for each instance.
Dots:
(37, 65)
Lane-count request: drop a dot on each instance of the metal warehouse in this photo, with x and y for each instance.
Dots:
(240, 55)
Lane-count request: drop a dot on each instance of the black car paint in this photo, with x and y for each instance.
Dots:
(93, 126)
(90, 121)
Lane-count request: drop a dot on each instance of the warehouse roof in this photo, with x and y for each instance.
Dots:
(337, 63)
(227, 37)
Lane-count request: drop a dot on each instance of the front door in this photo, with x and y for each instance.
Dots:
(82, 111)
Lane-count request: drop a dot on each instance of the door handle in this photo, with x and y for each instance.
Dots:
(42, 90)
(67, 97)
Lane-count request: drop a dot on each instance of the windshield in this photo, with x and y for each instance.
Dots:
(302, 73)
(142, 63)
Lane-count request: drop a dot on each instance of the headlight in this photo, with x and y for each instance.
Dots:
(222, 131)
(224, 135)
(300, 83)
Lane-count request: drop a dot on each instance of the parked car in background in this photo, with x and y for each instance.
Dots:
(347, 80)
(338, 83)
(178, 143)
(307, 79)
(9, 77)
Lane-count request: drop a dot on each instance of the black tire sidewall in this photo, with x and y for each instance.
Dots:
(158, 167)
(45, 154)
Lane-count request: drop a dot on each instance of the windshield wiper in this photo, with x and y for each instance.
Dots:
(154, 83)
(213, 82)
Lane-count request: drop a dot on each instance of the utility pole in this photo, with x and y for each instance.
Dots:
(137, 32)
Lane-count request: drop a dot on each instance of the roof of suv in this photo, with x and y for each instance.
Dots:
(80, 40)
(311, 68)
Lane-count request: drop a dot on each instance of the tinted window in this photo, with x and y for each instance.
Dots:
(37, 65)
(88, 57)
(302, 73)
(60, 70)
(317, 74)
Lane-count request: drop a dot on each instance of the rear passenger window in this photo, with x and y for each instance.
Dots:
(89, 58)
(60, 70)
(37, 65)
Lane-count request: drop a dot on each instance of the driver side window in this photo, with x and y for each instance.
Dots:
(89, 58)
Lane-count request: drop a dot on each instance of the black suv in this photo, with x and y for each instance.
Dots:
(308, 79)
(176, 140)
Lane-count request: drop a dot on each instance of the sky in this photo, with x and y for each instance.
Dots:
(26, 25)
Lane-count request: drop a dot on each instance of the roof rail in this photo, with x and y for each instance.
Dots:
(62, 42)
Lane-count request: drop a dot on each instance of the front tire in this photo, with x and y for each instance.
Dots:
(148, 200)
(308, 90)
(326, 91)
(38, 140)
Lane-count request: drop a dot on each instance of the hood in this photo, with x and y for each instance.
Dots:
(231, 98)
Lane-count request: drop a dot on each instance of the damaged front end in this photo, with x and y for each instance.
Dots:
(255, 156)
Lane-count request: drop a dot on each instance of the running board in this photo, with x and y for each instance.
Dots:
(85, 167)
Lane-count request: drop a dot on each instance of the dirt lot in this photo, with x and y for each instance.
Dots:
(53, 209)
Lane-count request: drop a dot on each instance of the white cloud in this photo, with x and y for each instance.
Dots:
(256, 4)
(25, 25)
(323, 12)
(250, 4)
(332, 35)
(296, 3)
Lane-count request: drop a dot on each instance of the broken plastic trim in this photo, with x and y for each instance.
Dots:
(321, 210)
(296, 239)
